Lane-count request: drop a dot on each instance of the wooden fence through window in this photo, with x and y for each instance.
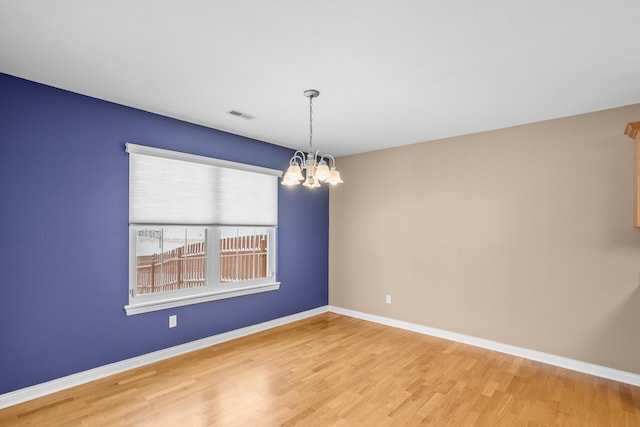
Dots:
(241, 258)
(180, 268)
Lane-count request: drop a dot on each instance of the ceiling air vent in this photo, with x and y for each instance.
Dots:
(241, 114)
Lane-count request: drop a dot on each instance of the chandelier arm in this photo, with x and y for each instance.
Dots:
(332, 162)
(298, 155)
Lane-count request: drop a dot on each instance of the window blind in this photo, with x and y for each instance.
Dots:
(173, 188)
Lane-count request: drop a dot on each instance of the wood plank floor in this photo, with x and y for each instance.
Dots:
(332, 370)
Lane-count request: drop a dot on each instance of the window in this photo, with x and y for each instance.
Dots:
(200, 229)
(170, 259)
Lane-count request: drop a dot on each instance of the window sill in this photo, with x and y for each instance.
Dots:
(179, 301)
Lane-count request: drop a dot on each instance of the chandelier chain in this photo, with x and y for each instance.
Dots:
(311, 124)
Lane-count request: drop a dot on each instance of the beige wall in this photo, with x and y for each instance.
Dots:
(522, 235)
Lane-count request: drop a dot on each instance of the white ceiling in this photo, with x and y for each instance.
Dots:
(390, 72)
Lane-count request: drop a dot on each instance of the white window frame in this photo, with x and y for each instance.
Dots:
(213, 289)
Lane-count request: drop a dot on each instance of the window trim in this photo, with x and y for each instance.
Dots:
(182, 300)
(194, 158)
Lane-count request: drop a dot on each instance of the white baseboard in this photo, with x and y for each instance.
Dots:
(538, 356)
(43, 389)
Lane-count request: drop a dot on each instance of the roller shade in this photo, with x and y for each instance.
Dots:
(168, 187)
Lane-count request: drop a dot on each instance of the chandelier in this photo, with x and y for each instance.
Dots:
(313, 167)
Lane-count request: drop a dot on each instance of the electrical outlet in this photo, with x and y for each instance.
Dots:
(173, 321)
(388, 299)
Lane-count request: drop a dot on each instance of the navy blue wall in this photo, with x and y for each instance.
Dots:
(64, 239)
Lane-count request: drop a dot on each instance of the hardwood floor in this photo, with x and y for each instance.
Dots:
(332, 370)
